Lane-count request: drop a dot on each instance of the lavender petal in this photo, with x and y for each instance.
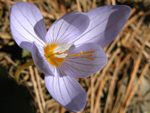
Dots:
(40, 61)
(67, 28)
(66, 91)
(106, 23)
(79, 67)
(27, 25)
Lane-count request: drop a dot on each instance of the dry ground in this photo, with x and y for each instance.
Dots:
(122, 86)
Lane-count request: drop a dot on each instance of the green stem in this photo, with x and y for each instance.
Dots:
(22, 67)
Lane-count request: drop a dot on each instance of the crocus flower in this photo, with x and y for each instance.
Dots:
(71, 48)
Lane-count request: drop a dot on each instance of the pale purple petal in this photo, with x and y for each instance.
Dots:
(105, 24)
(79, 67)
(66, 91)
(27, 25)
(67, 28)
(40, 61)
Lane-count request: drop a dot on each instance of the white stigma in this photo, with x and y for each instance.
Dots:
(61, 49)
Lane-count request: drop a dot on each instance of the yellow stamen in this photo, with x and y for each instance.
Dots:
(54, 60)
(50, 56)
(82, 54)
(87, 58)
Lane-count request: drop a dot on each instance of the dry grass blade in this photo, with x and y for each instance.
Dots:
(92, 94)
(40, 88)
(35, 88)
(110, 90)
(101, 80)
(109, 100)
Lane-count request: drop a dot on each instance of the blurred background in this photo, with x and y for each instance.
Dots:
(122, 86)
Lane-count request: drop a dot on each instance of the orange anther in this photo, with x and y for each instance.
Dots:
(83, 55)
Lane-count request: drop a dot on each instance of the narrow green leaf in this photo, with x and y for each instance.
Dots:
(25, 53)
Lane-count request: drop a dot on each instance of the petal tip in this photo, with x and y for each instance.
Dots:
(80, 105)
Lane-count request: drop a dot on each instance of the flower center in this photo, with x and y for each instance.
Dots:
(55, 54)
(50, 55)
